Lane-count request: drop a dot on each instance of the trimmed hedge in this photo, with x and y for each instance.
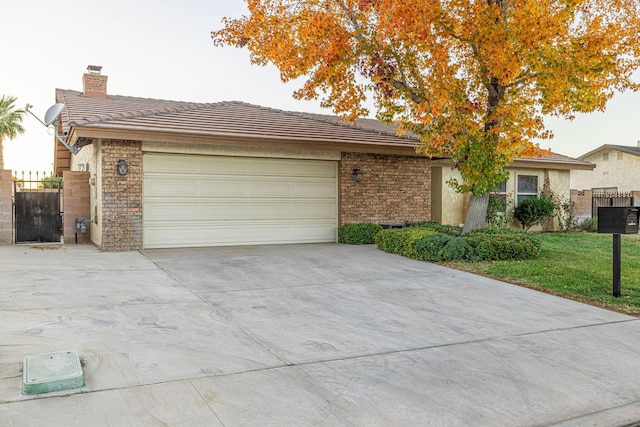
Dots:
(452, 230)
(425, 244)
(402, 241)
(457, 248)
(358, 234)
(431, 247)
(503, 244)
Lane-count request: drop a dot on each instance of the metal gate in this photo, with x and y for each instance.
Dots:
(37, 212)
(610, 199)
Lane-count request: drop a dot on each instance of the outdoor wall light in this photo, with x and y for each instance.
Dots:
(357, 175)
(123, 167)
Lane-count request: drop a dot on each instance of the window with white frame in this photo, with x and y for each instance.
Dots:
(501, 188)
(527, 188)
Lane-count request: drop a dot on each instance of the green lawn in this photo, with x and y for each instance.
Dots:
(576, 266)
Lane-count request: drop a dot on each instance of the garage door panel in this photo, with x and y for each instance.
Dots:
(218, 201)
(172, 235)
(169, 210)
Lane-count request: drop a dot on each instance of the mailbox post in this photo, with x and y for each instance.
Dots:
(617, 220)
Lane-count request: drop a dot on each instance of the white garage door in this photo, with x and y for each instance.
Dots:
(191, 201)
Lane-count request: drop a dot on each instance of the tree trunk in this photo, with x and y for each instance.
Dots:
(476, 214)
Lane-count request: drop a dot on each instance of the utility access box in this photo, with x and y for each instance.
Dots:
(618, 219)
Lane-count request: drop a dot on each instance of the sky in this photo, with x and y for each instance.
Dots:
(162, 49)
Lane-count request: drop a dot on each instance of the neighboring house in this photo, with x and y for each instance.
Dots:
(616, 170)
(614, 181)
(231, 173)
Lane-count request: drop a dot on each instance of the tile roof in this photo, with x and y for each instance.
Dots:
(240, 119)
(629, 149)
(229, 118)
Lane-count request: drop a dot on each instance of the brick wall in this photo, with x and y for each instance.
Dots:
(6, 208)
(76, 201)
(121, 218)
(94, 85)
(581, 204)
(393, 189)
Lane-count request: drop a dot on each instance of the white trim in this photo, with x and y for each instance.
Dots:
(238, 151)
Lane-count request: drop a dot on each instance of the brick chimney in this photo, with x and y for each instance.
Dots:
(94, 85)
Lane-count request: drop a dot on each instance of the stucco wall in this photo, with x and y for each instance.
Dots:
(393, 189)
(453, 205)
(448, 207)
(619, 170)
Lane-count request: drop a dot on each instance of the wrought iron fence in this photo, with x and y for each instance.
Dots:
(610, 199)
(34, 181)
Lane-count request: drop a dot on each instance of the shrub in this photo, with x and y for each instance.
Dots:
(452, 230)
(457, 248)
(358, 234)
(503, 243)
(430, 248)
(498, 210)
(590, 225)
(401, 241)
(533, 211)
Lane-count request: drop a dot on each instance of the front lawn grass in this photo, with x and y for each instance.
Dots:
(573, 265)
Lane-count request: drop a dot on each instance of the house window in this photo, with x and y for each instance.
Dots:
(605, 157)
(501, 188)
(527, 188)
(620, 156)
(498, 198)
(604, 190)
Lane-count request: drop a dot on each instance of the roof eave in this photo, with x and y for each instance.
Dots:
(239, 139)
(534, 164)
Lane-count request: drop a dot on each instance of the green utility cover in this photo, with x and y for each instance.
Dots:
(44, 373)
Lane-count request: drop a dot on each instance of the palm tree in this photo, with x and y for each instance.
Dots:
(10, 122)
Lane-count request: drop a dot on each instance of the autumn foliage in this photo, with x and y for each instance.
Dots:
(474, 79)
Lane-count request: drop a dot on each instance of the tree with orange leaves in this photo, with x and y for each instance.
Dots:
(472, 78)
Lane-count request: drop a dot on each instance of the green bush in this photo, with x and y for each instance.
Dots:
(589, 224)
(503, 244)
(426, 244)
(452, 230)
(402, 241)
(457, 248)
(533, 211)
(430, 247)
(358, 234)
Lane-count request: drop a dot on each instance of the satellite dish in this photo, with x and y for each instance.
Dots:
(52, 113)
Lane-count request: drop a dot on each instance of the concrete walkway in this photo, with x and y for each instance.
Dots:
(304, 335)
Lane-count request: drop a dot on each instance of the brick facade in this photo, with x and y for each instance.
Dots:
(393, 189)
(6, 208)
(76, 204)
(94, 85)
(121, 217)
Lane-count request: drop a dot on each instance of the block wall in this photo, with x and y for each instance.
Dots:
(581, 204)
(76, 203)
(6, 208)
(393, 189)
(121, 219)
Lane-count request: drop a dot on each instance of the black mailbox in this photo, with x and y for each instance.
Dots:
(618, 220)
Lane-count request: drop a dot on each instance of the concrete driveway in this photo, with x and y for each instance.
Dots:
(304, 335)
